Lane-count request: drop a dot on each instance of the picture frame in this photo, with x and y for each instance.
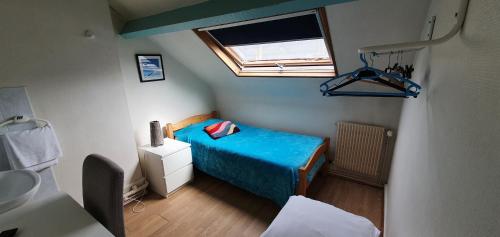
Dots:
(150, 67)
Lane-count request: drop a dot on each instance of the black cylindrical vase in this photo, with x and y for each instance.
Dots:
(156, 133)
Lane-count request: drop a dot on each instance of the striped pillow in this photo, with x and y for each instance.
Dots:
(222, 129)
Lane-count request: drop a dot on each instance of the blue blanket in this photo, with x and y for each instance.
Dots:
(262, 161)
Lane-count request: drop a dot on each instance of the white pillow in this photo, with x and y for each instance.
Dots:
(306, 217)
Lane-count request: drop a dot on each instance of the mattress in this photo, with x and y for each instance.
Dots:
(262, 161)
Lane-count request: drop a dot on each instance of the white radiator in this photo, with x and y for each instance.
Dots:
(363, 153)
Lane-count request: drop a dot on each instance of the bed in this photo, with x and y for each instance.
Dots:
(268, 163)
(306, 217)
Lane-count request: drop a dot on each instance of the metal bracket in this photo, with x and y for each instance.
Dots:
(417, 45)
(430, 30)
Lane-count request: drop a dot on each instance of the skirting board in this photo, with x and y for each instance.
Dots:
(385, 209)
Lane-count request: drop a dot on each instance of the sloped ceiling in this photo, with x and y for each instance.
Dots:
(132, 9)
(286, 103)
(353, 25)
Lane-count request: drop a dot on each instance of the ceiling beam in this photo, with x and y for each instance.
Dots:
(216, 12)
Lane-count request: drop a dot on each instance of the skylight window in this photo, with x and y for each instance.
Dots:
(293, 45)
(304, 50)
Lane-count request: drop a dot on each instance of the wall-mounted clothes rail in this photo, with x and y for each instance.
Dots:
(417, 45)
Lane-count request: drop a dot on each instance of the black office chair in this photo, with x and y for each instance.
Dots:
(103, 192)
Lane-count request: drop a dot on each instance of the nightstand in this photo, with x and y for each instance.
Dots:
(167, 167)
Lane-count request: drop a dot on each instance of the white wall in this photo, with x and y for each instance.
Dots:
(446, 169)
(181, 95)
(295, 104)
(72, 81)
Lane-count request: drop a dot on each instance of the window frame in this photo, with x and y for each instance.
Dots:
(233, 62)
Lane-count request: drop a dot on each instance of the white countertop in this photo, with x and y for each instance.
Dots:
(57, 215)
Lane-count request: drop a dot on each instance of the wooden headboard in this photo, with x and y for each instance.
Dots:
(172, 127)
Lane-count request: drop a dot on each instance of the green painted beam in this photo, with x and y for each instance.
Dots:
(216, 12)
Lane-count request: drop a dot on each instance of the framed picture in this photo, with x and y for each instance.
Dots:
(150, 67)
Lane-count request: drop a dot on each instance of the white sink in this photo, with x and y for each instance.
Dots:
(17, 187)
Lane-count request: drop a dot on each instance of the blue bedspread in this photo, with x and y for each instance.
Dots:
(262, 161)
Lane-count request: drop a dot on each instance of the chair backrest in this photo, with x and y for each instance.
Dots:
(102, 184)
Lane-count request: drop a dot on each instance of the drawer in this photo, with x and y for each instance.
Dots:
(176, 161)
(179, 177)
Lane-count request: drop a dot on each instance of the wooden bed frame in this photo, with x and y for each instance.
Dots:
(303, 171)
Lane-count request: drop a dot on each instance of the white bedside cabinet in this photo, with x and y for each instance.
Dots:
(168, 167)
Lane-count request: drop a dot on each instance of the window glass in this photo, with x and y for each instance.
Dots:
(309, 50)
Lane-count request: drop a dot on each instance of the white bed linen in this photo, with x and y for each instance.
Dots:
(302, 217)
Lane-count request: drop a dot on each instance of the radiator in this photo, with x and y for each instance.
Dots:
(363, 153)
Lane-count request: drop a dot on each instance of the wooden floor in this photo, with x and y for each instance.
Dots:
(210, 207)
